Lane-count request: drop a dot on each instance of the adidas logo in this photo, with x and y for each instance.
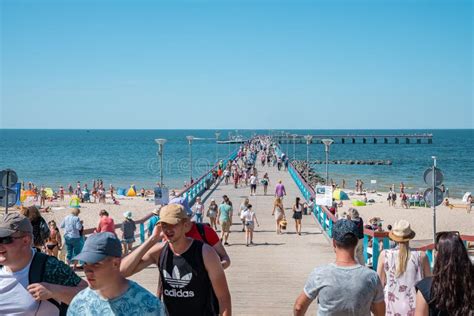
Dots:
(175, 280)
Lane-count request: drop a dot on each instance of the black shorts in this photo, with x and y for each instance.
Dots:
(297, 215)
(253, 187)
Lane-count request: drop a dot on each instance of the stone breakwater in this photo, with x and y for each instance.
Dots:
(353, 162)
(301, 166)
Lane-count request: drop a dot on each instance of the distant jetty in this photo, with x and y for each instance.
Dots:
(353, 162)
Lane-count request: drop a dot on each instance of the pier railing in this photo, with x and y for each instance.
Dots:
(326, 220)
(190, 193)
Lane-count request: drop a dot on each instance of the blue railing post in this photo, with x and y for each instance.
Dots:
(429, 254)
(366, 247)
(142, 233)
(375, 252)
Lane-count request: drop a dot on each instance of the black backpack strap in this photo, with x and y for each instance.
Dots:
(200, 228)
(36, 273)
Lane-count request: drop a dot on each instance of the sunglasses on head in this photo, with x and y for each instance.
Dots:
(8, 240)
(443, 234)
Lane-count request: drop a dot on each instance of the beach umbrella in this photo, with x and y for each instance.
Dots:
(131, 191)
(339, 195)
(466, 195)
(74, 203)
(49, 192)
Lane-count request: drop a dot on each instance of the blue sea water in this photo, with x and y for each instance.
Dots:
(125, 157)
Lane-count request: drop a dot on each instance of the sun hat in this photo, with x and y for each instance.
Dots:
(14, 222)
(172, 214)
(127, 214)
(99, 246)
(401, 231)
(354, 213)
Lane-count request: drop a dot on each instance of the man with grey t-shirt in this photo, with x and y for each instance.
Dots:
(343, 287)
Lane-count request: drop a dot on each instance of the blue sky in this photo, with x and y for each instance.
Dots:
(236, 64)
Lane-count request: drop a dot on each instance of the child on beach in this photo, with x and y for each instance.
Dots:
(249, 217)
(128, 233)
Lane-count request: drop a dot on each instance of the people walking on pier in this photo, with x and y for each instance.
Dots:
(250, 219)
(253, 184)
(265, 182)
(128, 229)
(224, 218)
(343, 287)
(279, 213)
(212, 214)
(242, 208)
(400, 269)
(72, 226)
(191, 272)
(109, 293)
(198, 210)
(298, 215)
(451, 289)
(280, 190)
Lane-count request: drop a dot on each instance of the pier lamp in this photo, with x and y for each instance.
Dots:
(294, 145)
(308, 141)
(217, 149)
(327, 143)
(287, 143)
(190, 142)
(161, 142)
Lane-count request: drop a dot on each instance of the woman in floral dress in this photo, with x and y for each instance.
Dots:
(400, 269)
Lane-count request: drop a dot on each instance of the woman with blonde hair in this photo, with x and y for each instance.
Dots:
(279, 213)
(400, 269)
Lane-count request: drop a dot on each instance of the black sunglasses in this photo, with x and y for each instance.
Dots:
(441, 234)
(8, 240)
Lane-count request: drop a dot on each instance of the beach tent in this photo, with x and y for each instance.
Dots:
(74, 203)
(121, 191)
(339, 195)
(358, 203)
(23, 196)
(49, 192)
(131, 191)
(30, 193)
(466, 195)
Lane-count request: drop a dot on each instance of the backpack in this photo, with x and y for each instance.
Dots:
(200, 228)
(35, 275)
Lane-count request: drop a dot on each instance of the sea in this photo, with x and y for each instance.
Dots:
(130, 157)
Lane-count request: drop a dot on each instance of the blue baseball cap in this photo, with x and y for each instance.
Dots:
(99, 246)
(343, 227)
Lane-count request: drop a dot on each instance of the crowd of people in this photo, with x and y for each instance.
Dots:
(192, 259)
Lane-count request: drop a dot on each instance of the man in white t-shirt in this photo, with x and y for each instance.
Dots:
(31, 283)
(253, 184)
(343, 287)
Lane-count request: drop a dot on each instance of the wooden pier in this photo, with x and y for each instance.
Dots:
(358, 139)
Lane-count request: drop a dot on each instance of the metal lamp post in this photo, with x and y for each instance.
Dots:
(161, 142)
(190, 142)
(294, 146)
(308, 141)
(327, 142)
(287, 143)
(434, 198)
(217, 149)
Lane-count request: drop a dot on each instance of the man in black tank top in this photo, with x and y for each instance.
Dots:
(193, 280)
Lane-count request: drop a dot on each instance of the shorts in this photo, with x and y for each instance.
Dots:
(249, 225)
(128, 240)
(253, 187)
(225, 225)
(297, 215)
(278, 215)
